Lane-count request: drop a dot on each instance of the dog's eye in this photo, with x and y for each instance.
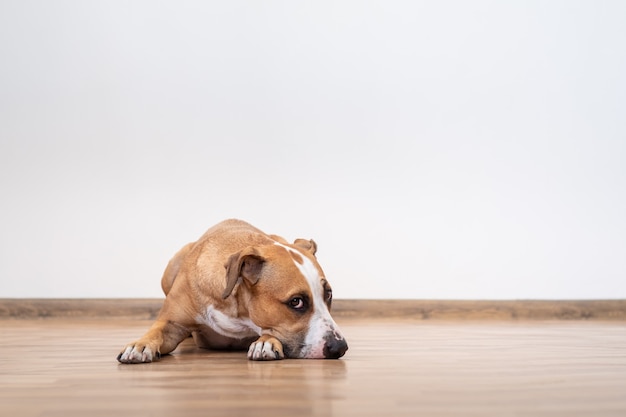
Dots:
(328, 294)
(297, 303)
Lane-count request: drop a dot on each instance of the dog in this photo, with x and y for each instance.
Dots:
(239, 288)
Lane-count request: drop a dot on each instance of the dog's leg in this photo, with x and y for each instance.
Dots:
(160, 339)
(266, 348)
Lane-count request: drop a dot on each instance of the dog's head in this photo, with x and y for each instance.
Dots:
(288, 297)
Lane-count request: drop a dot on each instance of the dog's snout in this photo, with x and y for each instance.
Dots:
(335, 348)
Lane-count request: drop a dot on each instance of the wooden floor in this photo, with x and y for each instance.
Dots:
(67, 367)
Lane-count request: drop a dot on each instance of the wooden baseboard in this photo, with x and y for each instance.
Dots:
(85, 308)
(484, 309)
(147, 309)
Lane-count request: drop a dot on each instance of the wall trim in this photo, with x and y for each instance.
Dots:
(147, 309)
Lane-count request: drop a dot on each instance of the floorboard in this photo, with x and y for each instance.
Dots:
(67, 367)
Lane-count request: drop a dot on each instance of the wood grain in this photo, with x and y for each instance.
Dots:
(395, 367)
(413, 309)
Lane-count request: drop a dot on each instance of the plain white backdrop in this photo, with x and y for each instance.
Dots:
(433, 149)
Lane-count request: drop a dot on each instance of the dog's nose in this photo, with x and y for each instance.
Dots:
(335, 349)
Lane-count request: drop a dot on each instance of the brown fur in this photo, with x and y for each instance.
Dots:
(243, 274)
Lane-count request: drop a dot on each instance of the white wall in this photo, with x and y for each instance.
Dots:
(434, 149)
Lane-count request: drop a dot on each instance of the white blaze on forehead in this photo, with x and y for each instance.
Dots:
(321, 323)
(310, 272)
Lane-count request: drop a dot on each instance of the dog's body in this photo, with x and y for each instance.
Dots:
(237, 287)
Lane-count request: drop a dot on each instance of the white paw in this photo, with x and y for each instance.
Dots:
(138, 354)
(264, 351)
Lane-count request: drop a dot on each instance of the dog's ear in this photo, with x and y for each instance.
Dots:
(307, 245)
(245, 264)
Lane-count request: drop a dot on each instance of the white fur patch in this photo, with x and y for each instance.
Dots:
(134, 355)
(321, 323)
(228, 326)
(262, 351)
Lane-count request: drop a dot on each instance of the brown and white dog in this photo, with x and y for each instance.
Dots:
(237, 287)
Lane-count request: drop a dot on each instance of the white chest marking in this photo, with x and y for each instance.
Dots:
(228, 326)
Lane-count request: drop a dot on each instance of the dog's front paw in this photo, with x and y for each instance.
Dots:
(139, 353)
(266, 348)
